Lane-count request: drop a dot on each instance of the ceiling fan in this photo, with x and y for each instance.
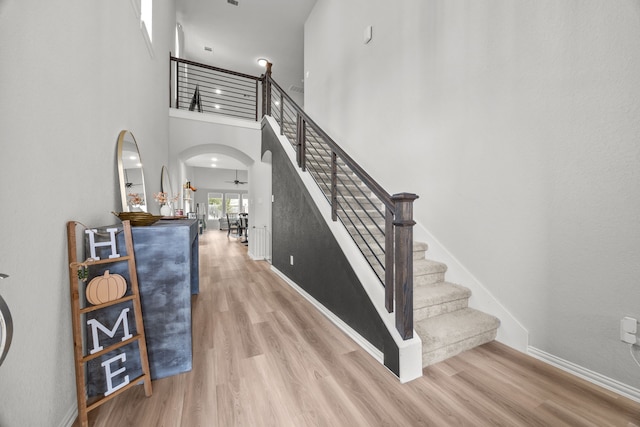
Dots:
(235, 181)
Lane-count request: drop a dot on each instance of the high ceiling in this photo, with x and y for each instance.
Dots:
(239, 35)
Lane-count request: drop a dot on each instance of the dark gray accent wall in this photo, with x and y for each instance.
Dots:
(319, 264)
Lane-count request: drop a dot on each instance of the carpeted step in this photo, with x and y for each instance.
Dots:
(449, 334)
(427, 272)
(419, 250)
(431, 301)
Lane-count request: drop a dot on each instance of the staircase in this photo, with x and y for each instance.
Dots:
(442, 318)
(441, 315)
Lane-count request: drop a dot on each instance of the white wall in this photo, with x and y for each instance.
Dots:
(517, 124)
(73, 74)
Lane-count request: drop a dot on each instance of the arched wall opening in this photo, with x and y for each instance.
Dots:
(256, 174)
(195, 134)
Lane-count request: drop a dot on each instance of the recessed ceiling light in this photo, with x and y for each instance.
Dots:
(213, 165)
(218, 91)
(217, 107)
(214, 159)
(262, 62)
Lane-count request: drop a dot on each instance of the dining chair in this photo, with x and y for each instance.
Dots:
(233, 225)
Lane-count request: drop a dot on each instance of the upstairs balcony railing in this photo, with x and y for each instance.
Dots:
(380, 224)
(208, 89)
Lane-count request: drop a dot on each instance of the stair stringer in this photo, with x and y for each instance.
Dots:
(410, 351)
(511, 332)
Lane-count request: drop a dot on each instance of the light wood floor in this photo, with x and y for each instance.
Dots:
(264, 357)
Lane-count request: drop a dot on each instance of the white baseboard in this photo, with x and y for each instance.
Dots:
(69, 417)
(586, 374)
(366, 345)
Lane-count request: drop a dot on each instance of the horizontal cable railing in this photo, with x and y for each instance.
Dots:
(379, 223)
(208, 89)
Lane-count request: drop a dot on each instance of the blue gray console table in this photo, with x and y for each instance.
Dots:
(167, 268)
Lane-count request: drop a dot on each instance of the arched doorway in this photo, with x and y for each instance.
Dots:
(252, 191)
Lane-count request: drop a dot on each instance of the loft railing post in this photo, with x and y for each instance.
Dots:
(298, 137)
(281, 114)
(268, 79)
(263, 79)
(177, 85)
(334, 186)
(388, 260)
(257, 100)
(303, 145)
(403, 224)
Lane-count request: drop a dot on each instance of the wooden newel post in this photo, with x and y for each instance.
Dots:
(403, 223)
(263, 79)
(177, 85)
(268, 84)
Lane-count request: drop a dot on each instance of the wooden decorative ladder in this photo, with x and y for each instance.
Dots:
(78, 311)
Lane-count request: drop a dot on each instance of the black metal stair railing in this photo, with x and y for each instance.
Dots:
(380, 224)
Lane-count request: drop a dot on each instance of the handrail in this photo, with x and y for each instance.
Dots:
(380, 192)
(212, 68)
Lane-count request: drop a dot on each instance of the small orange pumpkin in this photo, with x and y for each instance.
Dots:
(105, 288)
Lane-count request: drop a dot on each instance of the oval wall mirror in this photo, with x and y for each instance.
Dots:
(6, 326)
(132, 190)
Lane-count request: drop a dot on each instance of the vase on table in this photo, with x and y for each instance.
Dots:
(165, 210)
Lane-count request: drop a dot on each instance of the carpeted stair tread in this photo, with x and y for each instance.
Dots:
(443, 353)
(438, 299)
(425, 296)
(427, 266)
(452, 328)
(420, 246)
(419, 249)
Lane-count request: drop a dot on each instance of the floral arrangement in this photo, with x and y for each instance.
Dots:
(163, 198)
(135, 199)
(160, 197)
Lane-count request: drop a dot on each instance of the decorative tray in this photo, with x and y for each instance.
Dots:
(137, 218)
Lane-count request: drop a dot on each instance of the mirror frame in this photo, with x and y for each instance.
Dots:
(6, 329)
(123, 187)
